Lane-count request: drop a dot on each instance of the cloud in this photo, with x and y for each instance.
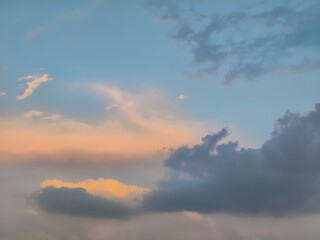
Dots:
(101, 187)
(33, 113)
(2, 94)
(4, 68)
(193, 215)
(52, 117)
(280, 178)
(78, 202)
(34, 32)
(144, 111)
(245, 39)
(22, 224)
(181, 97)
(42, 115)
(111, 106)
(32, 85)
(143, 123)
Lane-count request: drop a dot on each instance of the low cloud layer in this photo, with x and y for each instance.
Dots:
(245, 39)
(78, 202)
(280, 178)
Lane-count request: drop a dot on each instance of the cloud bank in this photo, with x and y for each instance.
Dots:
(245, 39)
(280, 178)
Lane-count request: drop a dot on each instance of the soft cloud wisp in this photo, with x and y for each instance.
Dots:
(33, 84)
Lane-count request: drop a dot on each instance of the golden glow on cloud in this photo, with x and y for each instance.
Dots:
(101, 187)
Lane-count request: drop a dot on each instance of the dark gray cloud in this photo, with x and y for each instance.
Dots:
(246, 39)
(78, 202)
(282, 177)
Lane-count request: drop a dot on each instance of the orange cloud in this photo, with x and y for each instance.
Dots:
(101, 187)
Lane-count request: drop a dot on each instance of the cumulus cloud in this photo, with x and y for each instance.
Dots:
(245, 39)
(282, 177)
(33, 83)
(23, 220)
(101, 187)
(78, 202)
(2, 94)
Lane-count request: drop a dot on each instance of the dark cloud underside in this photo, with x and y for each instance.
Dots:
(79, 202)
(280, 178)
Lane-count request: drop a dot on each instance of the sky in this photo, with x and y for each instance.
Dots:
(159, 119)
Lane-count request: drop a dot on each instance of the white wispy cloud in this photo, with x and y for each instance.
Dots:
(32, 85)
(52, 117)
(42, 115)
(33, 113)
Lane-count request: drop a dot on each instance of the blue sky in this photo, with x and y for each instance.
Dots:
(85, 42)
